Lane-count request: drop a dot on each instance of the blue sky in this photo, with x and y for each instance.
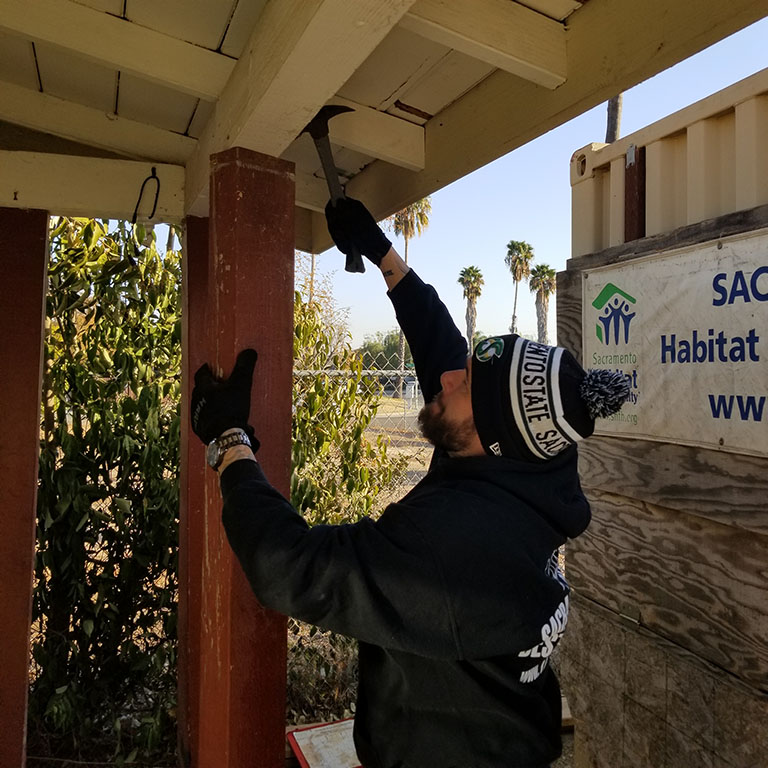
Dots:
(526, 195)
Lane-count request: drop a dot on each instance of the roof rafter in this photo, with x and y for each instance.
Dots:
(276, 87)
(50, 114)
(499, 32)
(68, 185)
(120, 44)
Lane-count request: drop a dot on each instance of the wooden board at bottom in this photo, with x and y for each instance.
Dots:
(328, 745)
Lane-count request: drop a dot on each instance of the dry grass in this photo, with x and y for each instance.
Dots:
(322, 675)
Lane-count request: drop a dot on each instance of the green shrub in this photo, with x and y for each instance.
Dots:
(104, 612)
(337, 471)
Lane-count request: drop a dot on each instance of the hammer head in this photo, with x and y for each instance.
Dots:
(317, 127)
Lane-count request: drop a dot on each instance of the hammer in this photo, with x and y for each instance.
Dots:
(317, 128)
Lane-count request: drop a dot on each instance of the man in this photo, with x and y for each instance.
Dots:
(455, 592)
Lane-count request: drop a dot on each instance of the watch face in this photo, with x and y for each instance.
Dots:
(213, 454)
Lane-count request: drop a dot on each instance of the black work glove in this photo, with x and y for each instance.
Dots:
(351, 224)
(219, 405)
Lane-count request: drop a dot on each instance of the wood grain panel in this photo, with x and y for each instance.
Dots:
(640, 700)
(729, 488)
(698, 583)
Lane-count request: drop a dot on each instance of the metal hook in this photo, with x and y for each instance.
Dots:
(152, 175)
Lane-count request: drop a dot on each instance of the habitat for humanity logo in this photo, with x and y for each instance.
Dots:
(613, 304)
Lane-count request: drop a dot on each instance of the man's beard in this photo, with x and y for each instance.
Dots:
(452, 437)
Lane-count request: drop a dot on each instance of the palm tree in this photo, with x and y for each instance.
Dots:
(613, 123)
(518, 259)
(410, 222)
(471, 280)
(542, 282)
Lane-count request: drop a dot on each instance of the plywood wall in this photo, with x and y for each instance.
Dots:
(665, 663)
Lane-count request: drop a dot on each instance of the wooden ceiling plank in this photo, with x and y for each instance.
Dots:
(240, 27)
(41, 112)
(200, 22)
(119, 44)
(17, 61)
(378, 135)
(68, 185)
(502, 33)
(277, 85)
(616, 46)
(155, 104)
(401, 59)
(456, 74)
(66, 76)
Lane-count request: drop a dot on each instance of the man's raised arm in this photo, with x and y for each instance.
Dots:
(436, 343)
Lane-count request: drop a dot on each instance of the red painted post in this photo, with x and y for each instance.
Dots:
(195, 346)
(23, 259)
(250, 303)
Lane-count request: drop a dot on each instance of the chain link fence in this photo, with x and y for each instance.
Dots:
(395, 423)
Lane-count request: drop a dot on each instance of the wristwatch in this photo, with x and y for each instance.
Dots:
(216, 449)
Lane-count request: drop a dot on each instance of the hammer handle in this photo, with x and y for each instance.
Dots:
(323, 145)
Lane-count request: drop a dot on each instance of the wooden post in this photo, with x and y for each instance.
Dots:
(241, 699)
(195, 346)
(23, 257)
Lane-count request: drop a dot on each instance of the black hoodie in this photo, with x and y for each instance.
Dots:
(454, 592)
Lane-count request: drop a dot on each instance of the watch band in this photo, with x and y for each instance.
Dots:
(220, 445)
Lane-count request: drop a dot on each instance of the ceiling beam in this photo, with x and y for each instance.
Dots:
(303, 229)
(499, 32)
(299, 55)
(50, 114)
(378, 134)
(66, 185)
(311, 192)
(119, 44)
(618, 43)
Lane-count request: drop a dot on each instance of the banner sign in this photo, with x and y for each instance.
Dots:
(689, 329)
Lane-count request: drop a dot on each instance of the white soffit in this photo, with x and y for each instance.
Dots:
(72, 78)
(447, 81)
(17, 61)
(147, 102)
(202, 22)
(401, 59)
(241, 25)
(296, 55)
